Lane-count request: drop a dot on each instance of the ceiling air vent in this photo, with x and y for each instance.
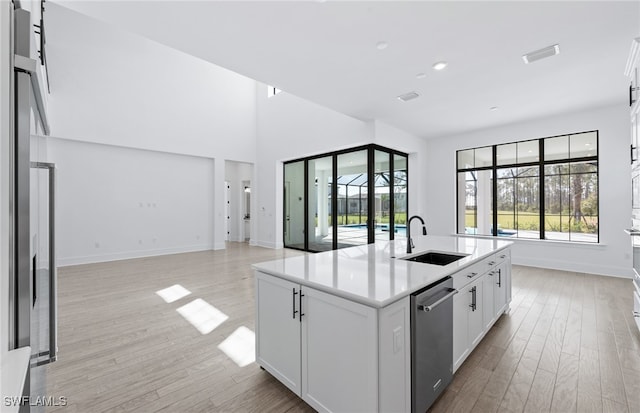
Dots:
(408, 96)
(541, 54)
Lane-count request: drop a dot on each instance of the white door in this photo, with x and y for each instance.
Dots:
(278, 329)
(227, 211)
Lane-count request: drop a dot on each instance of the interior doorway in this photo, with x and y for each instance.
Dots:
(239, 205)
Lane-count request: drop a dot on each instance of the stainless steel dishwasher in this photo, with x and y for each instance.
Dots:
(431, 343)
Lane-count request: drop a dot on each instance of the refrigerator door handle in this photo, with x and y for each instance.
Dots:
(53, 278)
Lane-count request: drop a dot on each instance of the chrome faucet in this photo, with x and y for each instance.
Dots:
(409, 240)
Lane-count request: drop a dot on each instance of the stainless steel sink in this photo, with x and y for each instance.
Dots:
(435, 258)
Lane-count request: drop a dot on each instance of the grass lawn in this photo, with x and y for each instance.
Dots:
(530, 221)
(351, 219)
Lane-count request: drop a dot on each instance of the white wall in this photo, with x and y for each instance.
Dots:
(115, 203)
(288, 128)
(392, 137)
(613, 256)
(113, 87)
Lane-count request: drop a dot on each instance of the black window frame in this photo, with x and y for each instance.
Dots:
(371, 150)
(541, 163)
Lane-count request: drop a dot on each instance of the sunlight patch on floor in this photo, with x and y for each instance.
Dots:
(202, 315)
(240, 346)
(173, 293)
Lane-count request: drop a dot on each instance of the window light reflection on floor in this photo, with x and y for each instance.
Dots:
(202, 315)
(240, 346)
(173, 293)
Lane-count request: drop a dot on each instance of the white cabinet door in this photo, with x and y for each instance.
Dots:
(339, 353)
(460, 327)
(278, 329)
(476, 322)
(501, 280)
(488, 296)
(468, 323)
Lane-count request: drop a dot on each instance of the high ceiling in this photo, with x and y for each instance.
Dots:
(327, 52)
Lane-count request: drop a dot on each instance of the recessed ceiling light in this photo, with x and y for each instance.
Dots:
(382, 45)
(439, 65)
(493, 108)
(587, 144)
(408, 96)
(421, 75)
(541, 53)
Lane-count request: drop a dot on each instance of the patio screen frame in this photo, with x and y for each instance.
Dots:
(370, 185)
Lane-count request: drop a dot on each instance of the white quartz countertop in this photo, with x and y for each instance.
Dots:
(375, 274)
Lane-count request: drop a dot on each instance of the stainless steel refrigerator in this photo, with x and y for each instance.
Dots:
(32, 284)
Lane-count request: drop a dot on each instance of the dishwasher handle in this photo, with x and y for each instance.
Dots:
(430, 307)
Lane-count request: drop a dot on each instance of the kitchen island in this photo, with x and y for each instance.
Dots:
(334, 327)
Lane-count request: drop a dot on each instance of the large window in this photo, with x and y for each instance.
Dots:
(346, 198)
(539, 189)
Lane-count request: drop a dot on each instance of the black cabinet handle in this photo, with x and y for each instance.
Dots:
(631, 149)
(293, 304)
(300, 306)
(473, 298)
(499, 277)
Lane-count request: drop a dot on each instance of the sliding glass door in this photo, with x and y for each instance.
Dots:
(294, 205)
(353, 200)
(346, 198)
(320, 220)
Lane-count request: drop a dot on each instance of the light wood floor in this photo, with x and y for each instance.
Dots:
(568, 344)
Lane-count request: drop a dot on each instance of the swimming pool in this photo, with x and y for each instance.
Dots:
(398, 229)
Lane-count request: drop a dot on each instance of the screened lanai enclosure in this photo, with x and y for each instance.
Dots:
(345, 198)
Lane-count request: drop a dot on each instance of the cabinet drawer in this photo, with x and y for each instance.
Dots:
(503, 255)
(469, 274)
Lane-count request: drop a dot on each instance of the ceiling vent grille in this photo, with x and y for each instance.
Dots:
(541, 54)
(408, 96)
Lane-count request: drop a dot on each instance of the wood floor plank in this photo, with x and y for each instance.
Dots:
(565, 394)
(469, 393)
(541, 392)
(632, 388)
(611, 375)
(613, 406)
(517, 393)
(589, 390)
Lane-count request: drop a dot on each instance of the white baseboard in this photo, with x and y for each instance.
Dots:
(91, 259)
(220, 245)
(612, 271)
(269, 244)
